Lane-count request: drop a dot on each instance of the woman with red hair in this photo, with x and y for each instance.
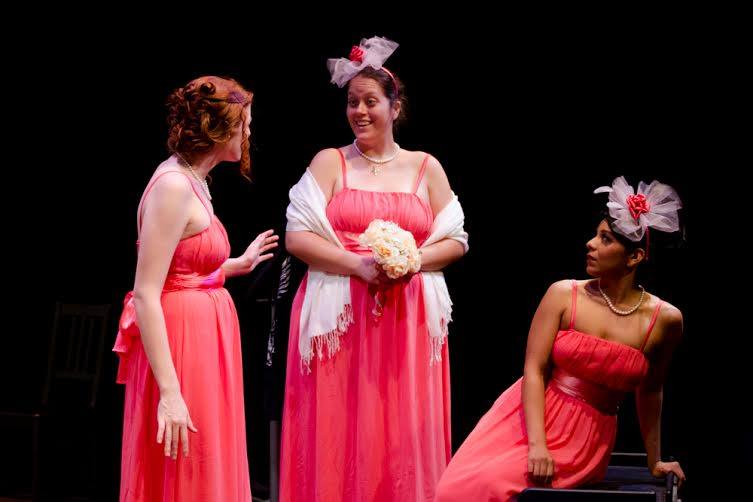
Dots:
(179, 340)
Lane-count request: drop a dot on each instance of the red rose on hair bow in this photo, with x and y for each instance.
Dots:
(638, 205)
(356, 54)
(653, 206)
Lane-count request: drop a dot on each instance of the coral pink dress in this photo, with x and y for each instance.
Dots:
(371, 423)
(589, 379)
(204, 337)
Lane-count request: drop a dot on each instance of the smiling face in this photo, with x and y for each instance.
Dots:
(370, 113)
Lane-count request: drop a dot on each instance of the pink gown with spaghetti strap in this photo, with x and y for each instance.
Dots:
(371, 423)
(589, 378)
(204, 337)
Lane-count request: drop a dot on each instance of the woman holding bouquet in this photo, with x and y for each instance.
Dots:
(367, 408)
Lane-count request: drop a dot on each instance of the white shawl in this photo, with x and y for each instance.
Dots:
(327, 311)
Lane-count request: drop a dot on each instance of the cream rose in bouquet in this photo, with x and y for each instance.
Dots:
(394, 249)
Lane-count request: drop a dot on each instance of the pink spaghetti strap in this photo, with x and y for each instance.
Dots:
(343, 167)
(154, 180)
(653, 323)
(421, 173)
(575, 302)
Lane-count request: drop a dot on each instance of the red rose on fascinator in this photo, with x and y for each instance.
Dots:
(356, 54)
(638, 205)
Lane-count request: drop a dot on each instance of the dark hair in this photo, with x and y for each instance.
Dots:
(393, 89)
(630, 246)
(662, 248)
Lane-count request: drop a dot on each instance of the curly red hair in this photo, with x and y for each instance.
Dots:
(206, 112)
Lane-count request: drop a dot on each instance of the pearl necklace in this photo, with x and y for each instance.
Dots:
(202, 182)
(375, 163)
(615, 309)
